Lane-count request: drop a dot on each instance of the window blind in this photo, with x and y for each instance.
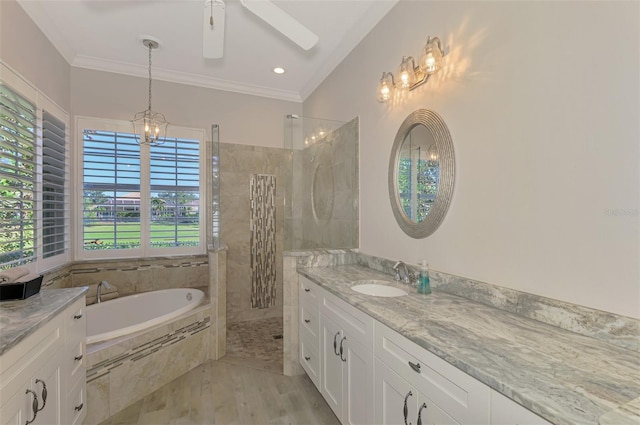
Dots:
(175, 193)
(55, 198)
(18, 168)
(111, 185)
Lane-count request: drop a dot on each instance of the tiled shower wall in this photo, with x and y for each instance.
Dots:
(325, 189)
(237, 164)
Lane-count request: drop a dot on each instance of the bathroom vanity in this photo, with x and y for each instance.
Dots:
(445, 359)
(42, 358)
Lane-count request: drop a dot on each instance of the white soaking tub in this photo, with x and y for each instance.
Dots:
(133, 313)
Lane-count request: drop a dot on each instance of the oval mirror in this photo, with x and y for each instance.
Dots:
(421, 173)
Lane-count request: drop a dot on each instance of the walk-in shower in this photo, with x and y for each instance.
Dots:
(321, 194)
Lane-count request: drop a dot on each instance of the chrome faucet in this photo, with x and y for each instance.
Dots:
(99, 290)
(402, 272)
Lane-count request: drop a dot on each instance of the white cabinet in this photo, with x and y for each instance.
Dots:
(505, 411)
(36, 376)
(345, 336)
(397, 402)
(369, 373)
(461, 396)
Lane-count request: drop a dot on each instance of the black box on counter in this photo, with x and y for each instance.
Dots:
(20, 290)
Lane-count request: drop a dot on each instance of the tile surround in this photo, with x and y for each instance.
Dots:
(237, 164)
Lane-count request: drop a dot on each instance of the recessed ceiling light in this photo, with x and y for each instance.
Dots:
(278, 70)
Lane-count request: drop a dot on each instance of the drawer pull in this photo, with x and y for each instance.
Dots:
(307, 358)
(341, 349)
(424, 406)
(78, 358)
(77, 316)
(415, 366)
(34, 406)
(307, 321)
(79, 408)
(405, 411)
(43, 393)
(307, 290)
(335, 344)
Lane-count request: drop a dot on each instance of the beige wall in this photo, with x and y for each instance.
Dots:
(25, 49)
(541, 99)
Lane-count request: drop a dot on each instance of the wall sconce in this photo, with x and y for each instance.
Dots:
(386, 87)
(411, 76)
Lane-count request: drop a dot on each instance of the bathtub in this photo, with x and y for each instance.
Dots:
(133, 313)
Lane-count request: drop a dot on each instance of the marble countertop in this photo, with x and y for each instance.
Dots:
(562, 376)
(20, 318)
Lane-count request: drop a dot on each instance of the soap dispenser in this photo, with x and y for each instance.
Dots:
(424, 287)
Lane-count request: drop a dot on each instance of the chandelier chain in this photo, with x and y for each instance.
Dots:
(150, 48)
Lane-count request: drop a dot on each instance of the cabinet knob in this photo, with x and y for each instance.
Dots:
(43, 393)
(424, 406)
(79, 407)
(34, 406)
(415, 366)
(405, 411)
(307, 321)
(344, 359)
(78, 358)
(307, 358)
(77, 316)
(335, 344)
(307, 290)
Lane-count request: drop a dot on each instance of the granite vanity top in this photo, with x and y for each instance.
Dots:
(562, 376)
(20, 318)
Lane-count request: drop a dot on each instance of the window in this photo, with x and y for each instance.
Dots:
(34, 200)
(137, 199)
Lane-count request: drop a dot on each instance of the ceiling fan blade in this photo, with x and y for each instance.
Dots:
(213, 35)
(281, 21)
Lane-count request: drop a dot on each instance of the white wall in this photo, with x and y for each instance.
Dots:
(542, 102)
(243, 119)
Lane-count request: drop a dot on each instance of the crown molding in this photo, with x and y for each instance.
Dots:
(98, 64)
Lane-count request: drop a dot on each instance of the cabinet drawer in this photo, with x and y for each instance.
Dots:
(309, 292)
(76, 405)
(310, 357)
(75, 360)
(460, 395)
(76, 321)
(309, 320)
(357, 326)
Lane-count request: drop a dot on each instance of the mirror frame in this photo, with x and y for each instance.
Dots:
(438, 128)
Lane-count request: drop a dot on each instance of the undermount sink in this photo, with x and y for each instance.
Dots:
(377, 288)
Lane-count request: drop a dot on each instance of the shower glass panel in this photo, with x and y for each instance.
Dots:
(321, 183)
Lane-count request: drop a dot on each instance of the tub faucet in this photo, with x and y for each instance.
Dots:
(99, 290)
(402, 272)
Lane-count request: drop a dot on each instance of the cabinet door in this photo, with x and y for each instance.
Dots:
(47, 381)
(392, 394)
(17, 409)
(331, 368)
(358, 368)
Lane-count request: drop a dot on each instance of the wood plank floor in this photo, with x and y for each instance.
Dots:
(221, 392)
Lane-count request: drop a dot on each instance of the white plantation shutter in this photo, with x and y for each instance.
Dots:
(18, 178)
(55, 187)
(175, 193)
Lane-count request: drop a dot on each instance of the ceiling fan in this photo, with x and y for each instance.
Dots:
(213, 25)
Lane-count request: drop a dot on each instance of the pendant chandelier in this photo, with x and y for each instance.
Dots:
(149, 127)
